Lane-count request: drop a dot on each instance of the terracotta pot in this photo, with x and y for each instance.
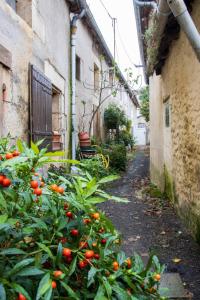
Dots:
(83, 136)
(85, 143)
(84, 139)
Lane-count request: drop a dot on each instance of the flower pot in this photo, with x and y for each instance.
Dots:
(84, 139)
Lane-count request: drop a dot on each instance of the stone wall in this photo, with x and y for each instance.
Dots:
(175, 151)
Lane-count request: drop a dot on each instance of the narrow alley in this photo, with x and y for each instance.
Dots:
(147, 226)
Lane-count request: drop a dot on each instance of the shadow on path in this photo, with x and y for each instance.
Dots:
(145, 229)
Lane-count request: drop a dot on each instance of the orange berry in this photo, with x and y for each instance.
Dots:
(54, 187)
(69, 214)
(115, 265)
(57, 273)
(86, 221)
(89, 254)
(60, 190)
(38, 191)
(53, 284)
(9, 155)
(42, 183)
(67, 252)
(128, 262)
(34, 184)
(6, 182)
(157, 277)
(16, 153)
(21, 297)
(96, 216)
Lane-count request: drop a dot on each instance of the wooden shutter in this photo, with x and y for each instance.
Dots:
(40, 108)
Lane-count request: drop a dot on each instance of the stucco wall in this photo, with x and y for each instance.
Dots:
(16, 36)
(179, 150)
(43, 39)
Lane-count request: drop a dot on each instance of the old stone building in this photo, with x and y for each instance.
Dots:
(35, 71)
(174, 79)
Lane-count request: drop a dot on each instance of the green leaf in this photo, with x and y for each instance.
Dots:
(12, 251)
(72, 266)
(14, 161)
(20, 266)
(19, 289)
(121, 293)
(121, 257)
(59, 254)
(30, 271)
(108, 287)
(44, 285)
(2, 292)
(108, 179)
(48, 294)
(3, 201)
(20, 145)
(100, 295)
(70, 291)
(91, 275)
(119, 199)
(46, 249)
(35, 148)
(94, 200)
(3, 218)
(56, 153)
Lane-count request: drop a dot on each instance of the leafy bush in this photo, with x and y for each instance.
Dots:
(114, 117)
(126, 138)
(55, 244)
(95, 167)
(117, 155)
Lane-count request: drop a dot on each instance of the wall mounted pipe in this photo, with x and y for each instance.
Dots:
(186, 23)
(73, 78)
(180, 12)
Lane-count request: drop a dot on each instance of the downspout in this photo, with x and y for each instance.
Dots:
(185, 21)
(73, 78)
(180, 12)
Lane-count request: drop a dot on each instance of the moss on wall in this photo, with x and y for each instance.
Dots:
(169, 186)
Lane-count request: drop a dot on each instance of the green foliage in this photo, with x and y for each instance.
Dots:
(144, 102)
(117, 155)
(114, 117)
(95, 167)
(126, 138)
(35, 229)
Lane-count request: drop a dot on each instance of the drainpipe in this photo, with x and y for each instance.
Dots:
(146, 3)
(73, 78)
(185, 21)
(179, 10)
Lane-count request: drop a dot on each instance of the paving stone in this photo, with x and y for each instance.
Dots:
(172, 287)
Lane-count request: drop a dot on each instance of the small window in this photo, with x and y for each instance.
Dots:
(96, 77)
(56, 120)
(78, 68)
(12, 3)
(167, 115)
(141, 125)
(110, 77)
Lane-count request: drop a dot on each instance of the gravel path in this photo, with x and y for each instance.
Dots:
(146, 225)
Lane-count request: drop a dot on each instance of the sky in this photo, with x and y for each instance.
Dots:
(127, 49)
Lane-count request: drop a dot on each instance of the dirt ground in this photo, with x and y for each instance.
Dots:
(151, 224)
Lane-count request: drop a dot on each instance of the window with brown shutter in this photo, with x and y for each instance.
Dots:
(40, 108)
